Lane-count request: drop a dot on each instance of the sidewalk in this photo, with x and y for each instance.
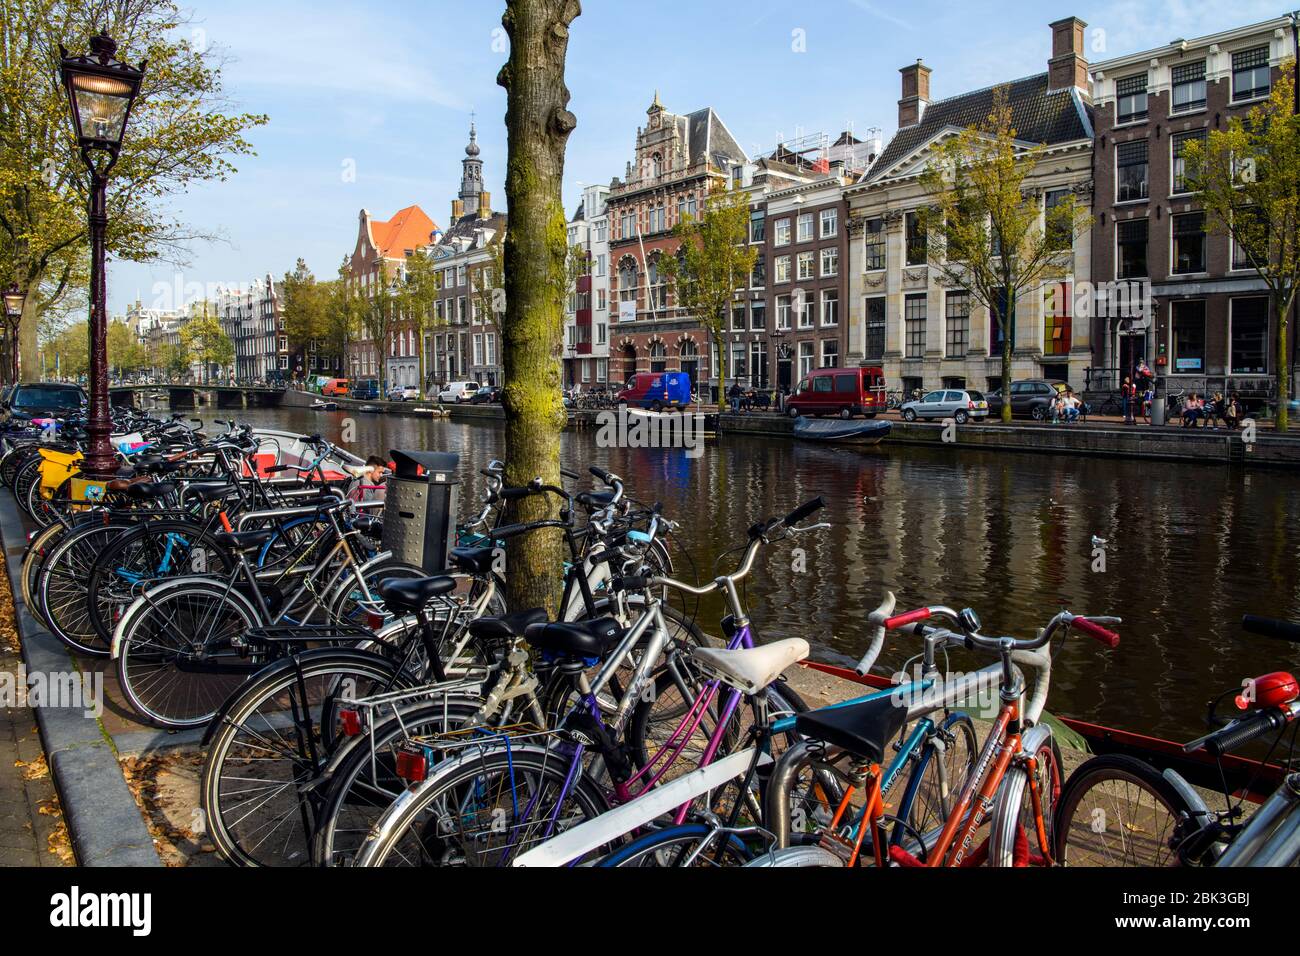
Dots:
(32, 831)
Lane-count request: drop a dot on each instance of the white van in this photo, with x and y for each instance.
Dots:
(458, 392)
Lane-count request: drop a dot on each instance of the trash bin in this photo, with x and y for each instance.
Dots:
(1158, 410)
(420, 508)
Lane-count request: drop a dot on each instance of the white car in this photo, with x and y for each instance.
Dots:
(458, 392)
(403, 393)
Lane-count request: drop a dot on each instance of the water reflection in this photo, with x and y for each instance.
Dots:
(1189, 549)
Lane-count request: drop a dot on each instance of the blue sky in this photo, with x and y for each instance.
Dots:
(388, 90)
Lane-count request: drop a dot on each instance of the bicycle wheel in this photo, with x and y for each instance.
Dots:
(269, 743)
(363, 780)
(675, 845)
(28, 472)
(797, 856)
(180, 650)
(939, 773)
(484, 808)
(38, 549)
(1118, 811)
(144, 556)
(1014, 838)
(61, 595)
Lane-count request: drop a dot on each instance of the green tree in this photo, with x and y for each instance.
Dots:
(538, 124)
(986, 231)
(343, 311)
(712, 262)
(302, 307)
(125, 354)
(416, 298)
(1248, 177)
(66, 351)
(379, 317)
(487, 285)
(206, 343)
(182, 133)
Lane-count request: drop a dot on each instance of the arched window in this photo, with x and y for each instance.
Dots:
(655, 284)
(658, 357)
(656, 165)
(627, 279)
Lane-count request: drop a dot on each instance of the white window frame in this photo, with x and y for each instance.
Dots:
(829, 223)
(780, 229)
(830, 254)
(825, 297)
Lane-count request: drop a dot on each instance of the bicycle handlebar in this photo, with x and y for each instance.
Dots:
(1241, 732)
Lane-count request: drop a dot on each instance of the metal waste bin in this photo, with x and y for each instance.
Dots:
(420, 508)
(1158, 410)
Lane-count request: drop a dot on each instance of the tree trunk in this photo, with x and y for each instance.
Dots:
(1283, 420)
(1007, 345)
(538, 124)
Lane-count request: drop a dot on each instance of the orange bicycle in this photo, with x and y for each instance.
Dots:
(1012, 785)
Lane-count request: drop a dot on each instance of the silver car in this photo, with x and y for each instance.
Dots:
(960, 404)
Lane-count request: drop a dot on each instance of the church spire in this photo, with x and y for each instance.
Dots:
(471, 180)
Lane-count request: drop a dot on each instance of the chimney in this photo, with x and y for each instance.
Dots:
(916, 94)
(457, 210)
(1067, 68)
(485, 205)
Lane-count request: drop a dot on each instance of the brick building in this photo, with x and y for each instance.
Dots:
(379, 259)
(1207, 325)
(678, 160)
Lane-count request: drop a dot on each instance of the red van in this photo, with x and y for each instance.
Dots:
(840, 391)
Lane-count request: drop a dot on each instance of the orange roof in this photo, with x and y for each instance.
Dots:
(410, 228)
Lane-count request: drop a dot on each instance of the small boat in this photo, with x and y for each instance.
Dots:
(371, 408)
(320, 406)
(840, 431)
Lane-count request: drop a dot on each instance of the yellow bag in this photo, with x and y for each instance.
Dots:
(56, 468)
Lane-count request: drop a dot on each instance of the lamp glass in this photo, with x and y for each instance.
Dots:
(102, 103)
(14, 303)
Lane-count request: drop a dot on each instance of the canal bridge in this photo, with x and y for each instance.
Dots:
(192, 396)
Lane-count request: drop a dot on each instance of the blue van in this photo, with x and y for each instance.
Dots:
(657, 390)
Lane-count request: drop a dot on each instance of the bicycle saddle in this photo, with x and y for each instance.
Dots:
(864, 729)
(507, 626)
(473, 560)
(750, 669)
(408, 595)
(245, 540)
(144, 490)
(579, 639)
(207, 493)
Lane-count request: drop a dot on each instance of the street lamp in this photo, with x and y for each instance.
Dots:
(14, 299)
(100, 92)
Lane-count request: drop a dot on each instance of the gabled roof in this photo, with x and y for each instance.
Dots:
(1038, 117)
(410, 228)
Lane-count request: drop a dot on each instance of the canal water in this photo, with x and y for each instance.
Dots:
(1187, 549)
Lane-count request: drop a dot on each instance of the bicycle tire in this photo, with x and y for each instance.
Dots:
(1122, 820)
(393, 842)
(665, 848)
(38, 549)
(1012, 801)
(796, 856)
(356, 802)
(156, 640)
(334, 667)
(61, 596)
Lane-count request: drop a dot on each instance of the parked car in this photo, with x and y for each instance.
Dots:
(487, 395)
(1030, 398)
(366, 389)
(44, 400)
(960, 404)
(458, 392)
(335, 388)
(657, 390)
(840, 391)
(403, 393)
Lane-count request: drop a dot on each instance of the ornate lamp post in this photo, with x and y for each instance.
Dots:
(100, 91)
(14, 299)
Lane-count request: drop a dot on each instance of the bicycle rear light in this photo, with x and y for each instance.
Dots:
(412, 764)
(351, 721)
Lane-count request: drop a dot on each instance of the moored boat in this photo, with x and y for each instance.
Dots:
(850, 432)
